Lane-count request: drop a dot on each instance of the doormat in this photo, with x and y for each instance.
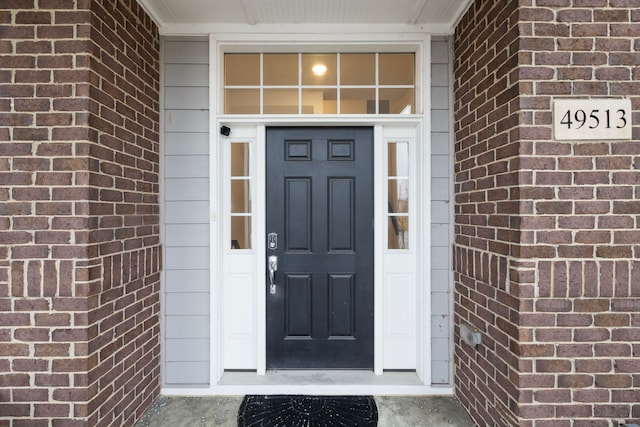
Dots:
(308, 411)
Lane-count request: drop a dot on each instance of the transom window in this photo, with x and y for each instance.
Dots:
(319, 83)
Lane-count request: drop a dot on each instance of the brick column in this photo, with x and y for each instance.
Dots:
(80, 255)
(487, 183)
(560, 315)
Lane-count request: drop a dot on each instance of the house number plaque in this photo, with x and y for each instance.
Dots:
(592, 119)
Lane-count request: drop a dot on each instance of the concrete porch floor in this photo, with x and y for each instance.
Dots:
(393, 411)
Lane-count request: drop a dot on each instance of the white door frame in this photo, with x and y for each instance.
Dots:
(406, 127)
(220, 43)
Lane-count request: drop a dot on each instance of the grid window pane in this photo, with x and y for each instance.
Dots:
(398, 101)
(240, 159)
(319, 69)
(398, 159)
(398, 196)
(398, 232)
(242, 101)
(241, 232)
(358, 101)
(319, 101)
(358, 69)
(280, 69)
(240, 196)
(396, 69)
(281, 101)
(242, 69)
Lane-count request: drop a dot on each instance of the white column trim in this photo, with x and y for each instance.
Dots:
(216, 368)
(260, 245)
(424, 257)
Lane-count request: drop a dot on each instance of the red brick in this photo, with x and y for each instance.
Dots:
(538, 411)
(591, 334)
(52, 410)
(593, 365)
(591, 395)
(574, 320)
(31, 395)
(553, 366)
(591, 305)
(52, 350)
(35, 47)
(574, 411)
(612, 320)
(54, 32)
(575, 381)
(31, 334)
(52, 380)
(30, 134)
(8, 410)
(612, 411)
(14, 350)
(613, 381)
(549, 396)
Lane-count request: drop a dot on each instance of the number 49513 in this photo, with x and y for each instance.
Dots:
(587, 119)
(579, 118)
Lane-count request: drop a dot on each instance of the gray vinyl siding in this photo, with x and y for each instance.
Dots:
(441, 176)
(186, 213)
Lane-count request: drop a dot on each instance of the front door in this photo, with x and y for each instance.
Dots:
(320, 227)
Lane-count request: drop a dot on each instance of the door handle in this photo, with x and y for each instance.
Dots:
(273, 267)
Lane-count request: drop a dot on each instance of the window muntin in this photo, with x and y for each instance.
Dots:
(319, 83)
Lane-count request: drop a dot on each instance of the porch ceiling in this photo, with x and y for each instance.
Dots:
(439, 14)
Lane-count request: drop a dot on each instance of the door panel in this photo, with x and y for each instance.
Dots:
(341, 212)
(298, 297)
(298, 205)
(320, 203)
(341, 306)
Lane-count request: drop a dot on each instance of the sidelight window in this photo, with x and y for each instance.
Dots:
(319, 83)
(398, 195)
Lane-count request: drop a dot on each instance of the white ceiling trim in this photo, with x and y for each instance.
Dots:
(183, 17)
(312, 43)
(323, 30)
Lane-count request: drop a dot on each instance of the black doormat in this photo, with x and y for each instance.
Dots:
(308, 411)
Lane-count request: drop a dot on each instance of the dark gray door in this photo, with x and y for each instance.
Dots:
(320, 205)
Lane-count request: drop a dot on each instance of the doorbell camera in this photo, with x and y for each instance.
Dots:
(225, 130)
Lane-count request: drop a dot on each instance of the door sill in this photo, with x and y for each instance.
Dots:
(320, 378)
(317, 383)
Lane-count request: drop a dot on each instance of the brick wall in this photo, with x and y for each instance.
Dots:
(547, 240)
(486, 180)
(80, 258)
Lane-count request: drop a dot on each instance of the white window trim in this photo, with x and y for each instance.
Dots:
(300, 88)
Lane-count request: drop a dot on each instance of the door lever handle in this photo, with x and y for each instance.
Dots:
(273, 267)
